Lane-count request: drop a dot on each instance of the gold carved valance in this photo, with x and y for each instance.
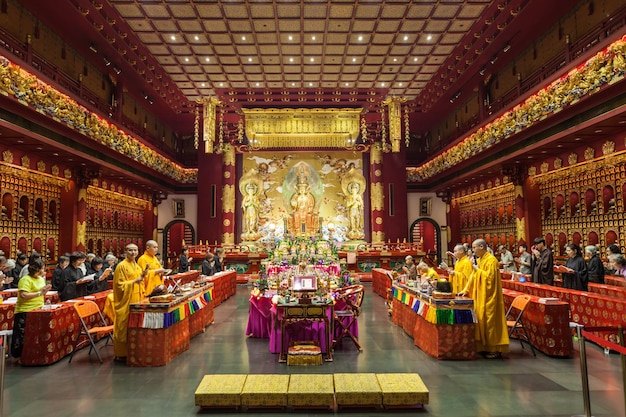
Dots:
(302, 128)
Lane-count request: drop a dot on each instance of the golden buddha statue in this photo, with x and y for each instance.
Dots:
(353, 186)
(304, 185)
(250, 187)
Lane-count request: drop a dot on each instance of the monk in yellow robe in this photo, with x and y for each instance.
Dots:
(155, 270)
(127, 289)
(462, 269)
(485, 288)
(426, 272)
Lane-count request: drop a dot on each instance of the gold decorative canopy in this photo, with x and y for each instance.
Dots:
(302, 128)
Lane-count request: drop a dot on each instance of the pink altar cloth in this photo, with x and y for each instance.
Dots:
(259, 317)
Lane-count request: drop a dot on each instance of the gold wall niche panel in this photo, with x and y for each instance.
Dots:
(113, 220)
(302, 128)
(584, 204)
(489, 214)
(30, 210)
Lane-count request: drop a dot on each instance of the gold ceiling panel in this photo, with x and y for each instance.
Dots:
(307, 128)
(343, 31)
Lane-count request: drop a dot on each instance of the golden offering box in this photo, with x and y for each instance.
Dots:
(402, 389)
(220, 391)
(269, 390)
(357, 389)
(311, 390)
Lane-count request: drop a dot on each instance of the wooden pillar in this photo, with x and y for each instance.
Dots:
(228, 196)
(377, 193)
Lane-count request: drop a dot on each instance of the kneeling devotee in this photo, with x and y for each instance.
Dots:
(127, 289)
(485, 288)
(155, 270)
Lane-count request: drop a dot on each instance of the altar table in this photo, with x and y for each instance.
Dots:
(301, 322)
(442, 328)
(159, 332)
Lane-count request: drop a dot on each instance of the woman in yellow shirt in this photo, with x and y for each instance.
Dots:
(32, 289)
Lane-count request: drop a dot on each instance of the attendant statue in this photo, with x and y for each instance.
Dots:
(354, 204)
(353, 186)
(251, 188)
(250, 206)
(303, 204)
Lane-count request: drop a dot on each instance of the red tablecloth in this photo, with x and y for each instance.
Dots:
(586, 308)
(441, 341)
(381, 282)
(157, 333)
(616, 280)
(225, 286)
(606, 289)
(547, 325)
(51, 334)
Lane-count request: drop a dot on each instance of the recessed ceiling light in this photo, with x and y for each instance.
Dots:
(207, 59)
(20, 141)
(400, 84)
(257, 84)
(39, 148)
(173, 37)
(598, 131)
(415, 59)
(203, 85)
(347, 84)
(186, 59)
(360, 38)
(312, 59)
(382, 84)
(249, 59)
(221, 84)
(243, 38)
(290, 59)
(578, 139)
(559, 145)
(406, 38)
(530, 157)
(310, 84)
(353, 59)
(293, 84)
(55, 154)
(429, 37)
(313, 38)
(290, 38)
(395, 60)
(197, 37)
(544, 151)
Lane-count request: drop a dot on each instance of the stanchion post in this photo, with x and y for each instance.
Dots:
(623, 357)
(583, 370)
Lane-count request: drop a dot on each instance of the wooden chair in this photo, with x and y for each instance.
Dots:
(352, 296)
(514, 321)
(89, 312)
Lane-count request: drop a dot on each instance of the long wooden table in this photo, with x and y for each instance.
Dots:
(51, 332)
(443, 329)
(157, 333)
(381, 281)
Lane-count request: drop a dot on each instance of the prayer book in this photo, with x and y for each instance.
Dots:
(86, 278)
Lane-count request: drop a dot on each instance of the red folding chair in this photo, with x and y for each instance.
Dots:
(89, 313)
(346, 317)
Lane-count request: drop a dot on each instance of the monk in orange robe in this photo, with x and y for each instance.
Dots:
(485, 288)
(127, 289)
(462, 269)
(155, 270)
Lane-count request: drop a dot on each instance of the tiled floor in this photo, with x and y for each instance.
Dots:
(519, 385)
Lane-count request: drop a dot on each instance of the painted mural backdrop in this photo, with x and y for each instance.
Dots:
(281, 174)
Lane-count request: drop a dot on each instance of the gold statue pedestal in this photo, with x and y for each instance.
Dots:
(353, 245)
